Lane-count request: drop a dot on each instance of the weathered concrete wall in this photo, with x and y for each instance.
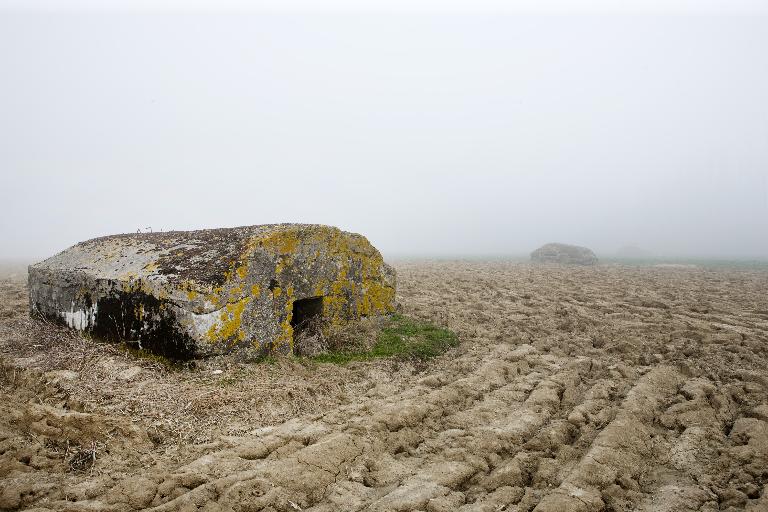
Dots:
(194, 293)
(564, 254)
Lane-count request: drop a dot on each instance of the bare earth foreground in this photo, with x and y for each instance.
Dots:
(584, 389)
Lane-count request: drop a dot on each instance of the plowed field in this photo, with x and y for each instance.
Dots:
(612, 388)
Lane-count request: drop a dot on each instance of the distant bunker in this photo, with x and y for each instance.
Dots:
(187, 294)
(564, 254)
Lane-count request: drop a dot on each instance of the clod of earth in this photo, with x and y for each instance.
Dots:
(194, 293)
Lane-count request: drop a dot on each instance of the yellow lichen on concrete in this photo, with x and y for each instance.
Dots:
(372, 296)
(236, 292)
(188, 289)
(229, 325)
(281, 264)
(151, 267)
(215, 296)
(334, 299)
(376, 297)
(284, 340)
(280, 241)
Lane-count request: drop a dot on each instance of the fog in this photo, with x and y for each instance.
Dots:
(469, 129)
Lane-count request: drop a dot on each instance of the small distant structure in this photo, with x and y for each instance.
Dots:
(193, 293)
(564, 254)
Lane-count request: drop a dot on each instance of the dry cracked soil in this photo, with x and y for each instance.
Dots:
(611, 388)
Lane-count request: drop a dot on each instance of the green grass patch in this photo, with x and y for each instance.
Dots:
(402, 337)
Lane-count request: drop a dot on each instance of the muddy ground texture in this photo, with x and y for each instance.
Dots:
(584, 389)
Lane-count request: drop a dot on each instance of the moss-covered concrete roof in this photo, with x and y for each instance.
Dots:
(203, 256)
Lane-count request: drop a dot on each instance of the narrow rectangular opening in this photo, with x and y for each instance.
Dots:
(306, 315)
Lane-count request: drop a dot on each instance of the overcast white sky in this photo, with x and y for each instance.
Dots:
(431, 127)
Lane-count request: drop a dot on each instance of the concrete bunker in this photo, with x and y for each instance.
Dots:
(194, 293)
(564, 254)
